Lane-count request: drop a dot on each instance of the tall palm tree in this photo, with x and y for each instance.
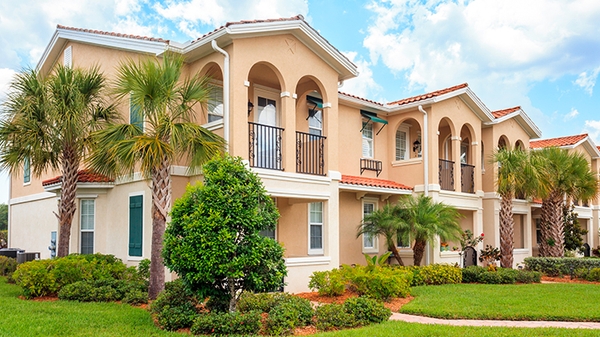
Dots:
(566, 176)
(48, 121)
(516, 176)
(166, 103)
(427, 220)
(385, 222)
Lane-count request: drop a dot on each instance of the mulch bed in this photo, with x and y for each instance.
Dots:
(394, 304)
(566, 279)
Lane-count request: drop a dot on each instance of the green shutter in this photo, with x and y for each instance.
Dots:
(135, 225)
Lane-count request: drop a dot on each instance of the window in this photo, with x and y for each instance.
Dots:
(315, 123)
(538, 231)
(464, 153)
(87, 226)
(68, 57)
(367, 139)
(135, 115)
(369, 241)
(26, 171)
(402, 143)
(403, 240)
(215, 103)
(135, 225)
(315, 227)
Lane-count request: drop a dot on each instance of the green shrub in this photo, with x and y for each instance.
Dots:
(227, 324)
(472, 274)
(36, 279)
(333, 316)
(77, 291)
(380, 282)
(8, 265)
(282, 320)
(593, 275)
(328, 283)
(262, 302)
(175, 307)
(366, 311)
(136, 297)
(177, 317)
(527, 276)
(556, 266)
(437, 274)
(105, 290)
(143, 269)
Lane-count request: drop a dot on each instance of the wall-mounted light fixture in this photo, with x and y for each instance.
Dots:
(417, 146)
(250, 107)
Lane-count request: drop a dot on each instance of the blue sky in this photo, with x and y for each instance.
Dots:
(543, 55)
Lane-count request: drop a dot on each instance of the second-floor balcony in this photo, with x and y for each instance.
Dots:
(446, 174)
(467, 173)
(265, 146)
(310, 153)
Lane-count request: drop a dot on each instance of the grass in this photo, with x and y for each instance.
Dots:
(547, 302)
(63, 318)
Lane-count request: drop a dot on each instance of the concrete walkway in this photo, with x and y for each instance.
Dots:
(474, 322)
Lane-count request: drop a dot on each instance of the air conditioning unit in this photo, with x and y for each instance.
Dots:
(23, 257)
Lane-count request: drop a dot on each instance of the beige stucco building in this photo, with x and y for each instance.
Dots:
(326, 157)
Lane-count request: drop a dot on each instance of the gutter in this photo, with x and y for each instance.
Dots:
(214, 45)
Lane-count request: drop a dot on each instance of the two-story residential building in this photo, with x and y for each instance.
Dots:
(326, 157)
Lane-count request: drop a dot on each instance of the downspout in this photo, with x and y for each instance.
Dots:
(424, 143)
(214, 45)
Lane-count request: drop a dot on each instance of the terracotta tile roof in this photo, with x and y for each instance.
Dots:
(83, 176)
(100, 32)
(560, 141)
(428, 95)
(373, 182)
(360, 98)
(293, 18)
(537, 201)
(502, 113)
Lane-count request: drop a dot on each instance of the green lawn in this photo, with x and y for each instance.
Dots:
(549, 302)
(62, 318)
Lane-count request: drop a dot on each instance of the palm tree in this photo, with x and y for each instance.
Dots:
(387, 223)
(566, 176)
(427, 220)
(516, 176)
(169, 133)
(48, 121)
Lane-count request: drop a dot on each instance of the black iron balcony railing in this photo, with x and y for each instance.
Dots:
(467, 174)
(310, 153)
(371, 165)
(446, 175)
(265, 146)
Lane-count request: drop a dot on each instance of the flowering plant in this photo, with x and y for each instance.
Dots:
(468, 240)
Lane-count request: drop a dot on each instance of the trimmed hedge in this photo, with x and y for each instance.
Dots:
(227, 323)
(435, 274)
(477, 274)
(353, 313)
(558, 266)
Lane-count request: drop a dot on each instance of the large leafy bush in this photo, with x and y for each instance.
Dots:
(213, 241)
(555, 266)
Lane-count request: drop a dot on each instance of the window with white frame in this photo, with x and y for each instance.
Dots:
(26, 171)
(315, 228)
(215, 103)
(367, 139)
(315, 123)
(538, 231)
(369, 241)
(87, 225)
(402, 151)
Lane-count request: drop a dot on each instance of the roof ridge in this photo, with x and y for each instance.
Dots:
(360, 98)
(102, 32)
(504, 112)
(558, 141)
(429, 94)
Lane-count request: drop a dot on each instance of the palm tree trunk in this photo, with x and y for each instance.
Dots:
(161, 202)
(552, 227)
(66, 205)
(396, 253)
(507, 230)
(419, 250)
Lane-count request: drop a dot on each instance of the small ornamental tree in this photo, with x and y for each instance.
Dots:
(213, 241)
(574, 233)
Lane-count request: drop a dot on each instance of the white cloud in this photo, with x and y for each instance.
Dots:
(572, 114)
(497, 46)
(588, 81)
(364, 85)
(593, 129)
(6, 76)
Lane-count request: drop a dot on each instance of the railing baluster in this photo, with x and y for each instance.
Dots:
(310, 153)
(446, 174)
(265, 146)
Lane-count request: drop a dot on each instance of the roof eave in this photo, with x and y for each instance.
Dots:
(523, 120)
(374, 190)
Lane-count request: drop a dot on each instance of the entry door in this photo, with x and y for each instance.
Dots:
(267, 135)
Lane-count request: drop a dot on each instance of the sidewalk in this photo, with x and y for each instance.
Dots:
(474, 322)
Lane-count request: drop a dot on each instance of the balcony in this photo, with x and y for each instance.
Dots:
(371, 165)
(467, 174)
(310, 153)
(446, 174)
(265, 146)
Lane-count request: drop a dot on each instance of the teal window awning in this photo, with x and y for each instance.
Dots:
(315, 100)
(372, 117)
